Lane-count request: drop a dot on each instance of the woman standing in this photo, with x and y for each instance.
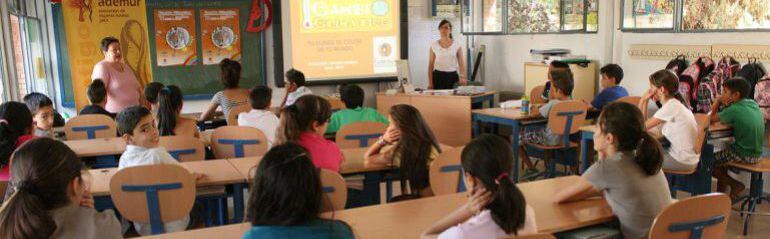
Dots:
(446, 59)
(123, 89)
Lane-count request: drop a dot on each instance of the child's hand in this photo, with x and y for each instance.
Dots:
(198, 176)
(291, 87)
(391, 135)
(649, 94)
(479, 198)
(87, 200)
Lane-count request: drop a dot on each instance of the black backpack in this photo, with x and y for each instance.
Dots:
(678, 64)
(752, 72)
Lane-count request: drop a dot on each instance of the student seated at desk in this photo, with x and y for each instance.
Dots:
(49, 197)
(260, 116)
(97, 95)
(286, 198)
(496, 208)
(42, 113)
(554, 66)
(170, 120)
(676, 120)
(748, 123)
(295, 87)
(612, 74)
(15, 128)
(231, 96)
(353, 97)
(409, 144)
(628, 171)
(151, 95)
(305, 122)
(138, 128)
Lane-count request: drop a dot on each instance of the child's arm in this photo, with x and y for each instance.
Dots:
(582, 189)
(373, 154)
(715, 110)
(209, 111)
(477, 202)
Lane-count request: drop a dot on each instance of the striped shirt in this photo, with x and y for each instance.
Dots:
(226, 103)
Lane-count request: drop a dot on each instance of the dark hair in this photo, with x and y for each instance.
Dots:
(444, 22)
(42, 171)
(17, 122)
(740, 85)
(296, 77)
(129, 118)
(559, 65)
(151, 91)
(96, 91)
(415, 146)
(562, 80)
(352, 96)
(231, 73)
(259, 97)
(625, 122)
(614, 71)
(489, 158)
(35, 101)
(299, 117)
(669, 81)
(169, 105)
(107, 41)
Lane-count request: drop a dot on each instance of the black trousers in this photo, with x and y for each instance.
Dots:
(443, 80)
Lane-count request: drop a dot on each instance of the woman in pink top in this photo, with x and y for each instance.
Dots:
(123, 89)
(305, 122)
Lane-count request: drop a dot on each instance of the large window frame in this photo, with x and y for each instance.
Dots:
(465, 12)
(678, 26)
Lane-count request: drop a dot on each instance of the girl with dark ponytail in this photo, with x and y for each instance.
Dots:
(628, 171)
(496, 208)
(170, 121)
(305, 122)
(49, 197)
(15, 129)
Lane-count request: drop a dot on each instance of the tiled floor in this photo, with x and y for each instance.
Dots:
(759, 227)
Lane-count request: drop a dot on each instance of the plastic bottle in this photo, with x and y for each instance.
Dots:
(525, 105)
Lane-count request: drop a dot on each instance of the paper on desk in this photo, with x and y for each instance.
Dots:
(511, 104)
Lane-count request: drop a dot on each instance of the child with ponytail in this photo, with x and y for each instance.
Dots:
(15, 129)
(49, 197)
(676, 121)
(628, 171)
(496, 208)
(170, 121)
(305, 122)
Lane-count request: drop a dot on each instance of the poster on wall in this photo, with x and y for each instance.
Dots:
(220, 35)
(446, 8)
(87, 22)
(175, 37)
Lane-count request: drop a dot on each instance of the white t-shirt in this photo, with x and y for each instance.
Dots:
(681, 129)
(446, 58)
(293, 96)
(264, 120)
(482, 226)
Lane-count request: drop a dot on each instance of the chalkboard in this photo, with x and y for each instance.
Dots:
(202, 81)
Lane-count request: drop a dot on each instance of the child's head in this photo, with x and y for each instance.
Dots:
(259, 97)
(555, 66)
(486, 161)
(612, 74)
(286, 189)
(231, 73)
(97, 92)
(735, 89)
(151, 92)
(15, 121)
(169, 106)
(352, 96)
(415, 144)
(46, 176)
(42, 110)
(562, 84)
(294, 79)
(666, 85)
(621, 128)
(137, 126)
(309, 114)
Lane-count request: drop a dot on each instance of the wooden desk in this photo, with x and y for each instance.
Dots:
(447, 115)
(97, 147)
(509, 117)
(234, 231)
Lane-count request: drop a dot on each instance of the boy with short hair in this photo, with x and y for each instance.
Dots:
(748, 123)
(260, 116)
(295, 87)
(353, 97)
(554, 66)
(612, 74)
(97, 95)
(42, 113)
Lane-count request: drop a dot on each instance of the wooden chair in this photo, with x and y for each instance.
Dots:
(238, 142)
(446, 173)
(153, 194)
(535, 236)
(698, 180)
(536, 95)
(565, 118)
(634, 100)
(699, 217)
(756, 195)
(184, 148)
(335, 191)
(359, 134)
(232, 116)
(90, 127)
(336, 104)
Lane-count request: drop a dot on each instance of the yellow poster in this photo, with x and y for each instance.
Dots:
(220, 35)
(175, 37)
(87, 22)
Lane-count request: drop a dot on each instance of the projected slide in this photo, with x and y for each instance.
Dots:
(338, 39)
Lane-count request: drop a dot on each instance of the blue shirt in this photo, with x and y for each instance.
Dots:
(320, 229)
(609, 95)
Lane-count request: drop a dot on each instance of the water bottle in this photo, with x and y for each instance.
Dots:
(525, 105)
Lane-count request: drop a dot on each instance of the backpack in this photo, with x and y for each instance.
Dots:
(752, 72)
(762, 95)
(710, 87)
(690, 79)
(678, 64)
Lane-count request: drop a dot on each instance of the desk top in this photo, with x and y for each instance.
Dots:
(714, 127)
(514, 114)
(234, 231)
(97, 147)
(438, 95)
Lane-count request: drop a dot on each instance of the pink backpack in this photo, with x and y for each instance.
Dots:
(762, 94)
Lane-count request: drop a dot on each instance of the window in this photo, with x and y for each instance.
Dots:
(29, 58)
(695, 15)
(482, 16)
(648, 14)
(526, 16)
(529, 16)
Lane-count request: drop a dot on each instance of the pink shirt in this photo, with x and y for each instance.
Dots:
(122, 87)
(325, 154)
(483, 226)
